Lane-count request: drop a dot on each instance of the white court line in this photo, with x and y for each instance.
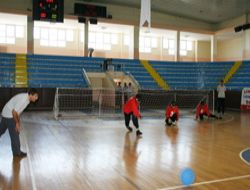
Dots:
(226, 121)
(242, 158)
(29, 162)
(207, 182)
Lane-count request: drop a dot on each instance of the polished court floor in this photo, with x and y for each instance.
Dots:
(101, 154)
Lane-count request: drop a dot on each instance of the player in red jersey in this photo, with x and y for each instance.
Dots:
(202, 110)
(172, 114)
(131, 109)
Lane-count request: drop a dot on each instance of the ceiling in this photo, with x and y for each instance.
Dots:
(210, 11)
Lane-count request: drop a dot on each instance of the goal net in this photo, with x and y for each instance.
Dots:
(76, 103)
(154, 103)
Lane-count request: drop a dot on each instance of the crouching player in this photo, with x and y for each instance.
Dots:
(202, 110)
(172, 114)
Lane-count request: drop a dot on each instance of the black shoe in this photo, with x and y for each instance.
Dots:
(21, 155)
(138, 133)
(129, 128)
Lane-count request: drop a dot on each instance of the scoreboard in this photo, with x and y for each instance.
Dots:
(48, 10)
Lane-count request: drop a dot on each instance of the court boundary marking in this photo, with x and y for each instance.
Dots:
(207, 182)
(32, 176)
(242, 157)
(226, 121)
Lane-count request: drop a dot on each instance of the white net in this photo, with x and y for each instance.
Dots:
(154, 103)
(109, 103)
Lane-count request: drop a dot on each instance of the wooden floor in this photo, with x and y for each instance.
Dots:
(101, 154)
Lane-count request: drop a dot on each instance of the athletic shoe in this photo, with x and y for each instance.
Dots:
(129, 128)
(138, 133)
(21, 155)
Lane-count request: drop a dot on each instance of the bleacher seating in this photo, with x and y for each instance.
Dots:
(7, 70)
(135, 68)
(192, 75)
(66, 71)
(60, 71)
(241, 78)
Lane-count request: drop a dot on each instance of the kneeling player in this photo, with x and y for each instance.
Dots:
(202, 110)
(172, 114)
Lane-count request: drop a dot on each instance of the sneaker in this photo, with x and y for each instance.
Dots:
(21, 155)
(129, 128)
(138, 133)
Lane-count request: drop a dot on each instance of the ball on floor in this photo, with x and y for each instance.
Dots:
(187, 176)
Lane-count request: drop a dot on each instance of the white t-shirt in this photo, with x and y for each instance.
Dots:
(221, 91)
(18, 102)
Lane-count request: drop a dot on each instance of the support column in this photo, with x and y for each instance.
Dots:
(136, 42)
(30, 38)
(246, 45)
(177, 46)
(213, 41)
(86, 38)
(196, 53)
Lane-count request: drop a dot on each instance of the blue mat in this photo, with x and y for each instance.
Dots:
(245, 155)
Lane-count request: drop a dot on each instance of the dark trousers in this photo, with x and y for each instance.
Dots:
(14, 135)
(221, 105)
(172, 119)
(134, 119)
(204, 114)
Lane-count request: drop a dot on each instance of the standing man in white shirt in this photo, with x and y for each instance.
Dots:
(221, 89)
(11, 118)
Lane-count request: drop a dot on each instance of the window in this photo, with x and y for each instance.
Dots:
(10, 29)
(165, 43)
(102, 41)
(126, 40)
(70, 36)
(114, 39)
(189, 45)
(145, 44)
(52, 34)
(9, 33)
(154, 42)
(82, 36)
(61, 35)
(36, 33)
(92, 37)
(107, 38)
(171, 44)
(44, 34)
(53, 37)
(185, 46)
(183, 52)
(171, 51)
(19, 31)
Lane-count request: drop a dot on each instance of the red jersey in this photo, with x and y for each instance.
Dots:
(202, 109)
(132, 105)
(172, 110)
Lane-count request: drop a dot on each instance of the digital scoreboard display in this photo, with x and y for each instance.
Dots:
(87, 10)
(48, 10)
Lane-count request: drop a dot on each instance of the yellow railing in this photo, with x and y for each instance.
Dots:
(155, 75)
(233, 69)
(21, 78)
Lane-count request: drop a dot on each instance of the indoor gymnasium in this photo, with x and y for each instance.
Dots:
(124, 95)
